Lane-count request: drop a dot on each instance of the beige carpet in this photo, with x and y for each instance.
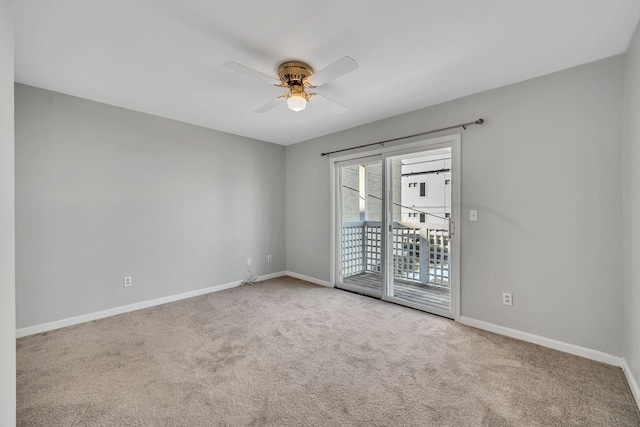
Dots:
(287, 353)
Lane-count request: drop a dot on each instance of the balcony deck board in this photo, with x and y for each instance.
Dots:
(409, 290)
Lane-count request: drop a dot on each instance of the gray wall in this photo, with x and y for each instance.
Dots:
(632, 207)
(103, 192)
(544, 173)
(7, 251)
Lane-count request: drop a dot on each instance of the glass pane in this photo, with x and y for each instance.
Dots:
(420, 247)
(361, 225)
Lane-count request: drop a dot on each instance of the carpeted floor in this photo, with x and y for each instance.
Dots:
(288, 353)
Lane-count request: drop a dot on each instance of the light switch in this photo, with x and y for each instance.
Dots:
(473, 215)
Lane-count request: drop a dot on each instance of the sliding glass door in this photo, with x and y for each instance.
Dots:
(360, 213)
(395, 227)
(420, 230)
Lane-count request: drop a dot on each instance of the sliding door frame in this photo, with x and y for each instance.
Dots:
(454, 269)
(385, 153)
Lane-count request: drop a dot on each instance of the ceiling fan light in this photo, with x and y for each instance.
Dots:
(296, 103)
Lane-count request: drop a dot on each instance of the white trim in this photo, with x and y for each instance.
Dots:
(57, 324)
(271, 276)
(334, 205)
(633, 384)
(308, 279)
(576, 350)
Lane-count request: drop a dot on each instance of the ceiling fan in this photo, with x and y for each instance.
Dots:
(298, 77)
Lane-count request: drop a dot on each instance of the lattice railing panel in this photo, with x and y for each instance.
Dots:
(352, 250)
(438, 256)
(423, 259)
(406, 253)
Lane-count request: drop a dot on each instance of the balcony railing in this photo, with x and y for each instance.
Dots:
(420, 255)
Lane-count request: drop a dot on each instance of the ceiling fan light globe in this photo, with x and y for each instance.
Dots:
(296, 103)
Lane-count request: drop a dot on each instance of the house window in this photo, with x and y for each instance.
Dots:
(413, 214)
(423, 189)
(413, 184)
(422, 217)
(447, 181)
(447, 215)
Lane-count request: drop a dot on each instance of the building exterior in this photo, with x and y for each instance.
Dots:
(426, 191)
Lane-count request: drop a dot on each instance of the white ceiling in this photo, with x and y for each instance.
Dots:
(165, 57)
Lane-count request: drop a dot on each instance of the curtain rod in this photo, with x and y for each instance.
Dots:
(463, 125)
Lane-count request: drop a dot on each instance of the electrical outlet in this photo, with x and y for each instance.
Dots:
(248, 261)
(507, 299)
(127, 281)
(268, 258)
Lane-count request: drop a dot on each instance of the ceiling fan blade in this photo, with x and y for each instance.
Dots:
(334, 106)
(269, 105)
(250, 72)
(337, 69)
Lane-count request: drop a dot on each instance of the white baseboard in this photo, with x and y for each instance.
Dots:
(271, 276)
(576, 350)
(57, 324)
(633, 384)
(308, 279)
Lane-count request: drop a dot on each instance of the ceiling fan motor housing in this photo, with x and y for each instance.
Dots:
(294, 72)
(293, 75)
